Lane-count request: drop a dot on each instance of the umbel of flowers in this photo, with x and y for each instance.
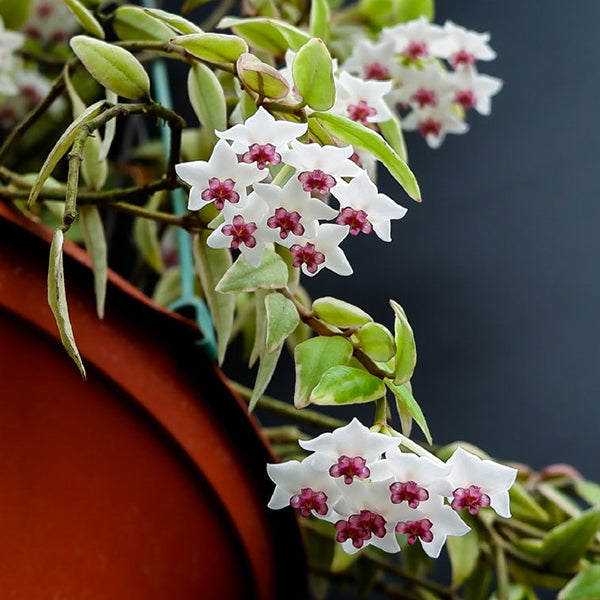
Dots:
(360, 481)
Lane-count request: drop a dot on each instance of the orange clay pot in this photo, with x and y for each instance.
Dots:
(147, 481)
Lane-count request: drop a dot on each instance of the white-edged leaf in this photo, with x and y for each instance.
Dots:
(95, 244)
(207, 98)
(266, 368)
(85, 18)
(282, 320)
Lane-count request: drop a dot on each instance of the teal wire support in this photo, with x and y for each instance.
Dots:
(187, 297)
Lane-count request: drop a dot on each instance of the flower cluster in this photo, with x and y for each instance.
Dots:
(256, 210)
(361, 482)
(50, 22)
(430, 74)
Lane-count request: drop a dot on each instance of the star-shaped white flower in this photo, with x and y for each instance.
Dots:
(322, 250)
(429, 86)
(222, 179)
(479, 483)
(262, 138)
(364, 209)
(434, 123)
(292, 213)
(372, 60)
(416, 40)
(472, 90)
(321, 167)
(463, 47)
(360, 100)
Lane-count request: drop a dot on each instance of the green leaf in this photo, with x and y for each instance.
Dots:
(211, 265)
(406, 402)
(376, 12)
(241, 277)
(261, 78)
(584, 586)
(341, 560)
(339, 313)
(85, 18)
(524, 506)
(320, 19)
(568, 542)
(406, 351)
(342, 384)
(376, 341)
(269, 34)
(282, 320)
(145, 235)
(515, 592)
(588, 491)
(312, 71)
(266, 368)
(358, 135)
(313, 357)
(113, 67)
(177, 23)
(212, 47)
(109, 129)
(132, 23)
(61, 147)
(260, 331)
(408, 10)
(95, 244)
(464, 555)
(57, 299)
(478, 584)
(392, 133)
(207, 98)
(168, 287)
(14, 14)
(191, 4)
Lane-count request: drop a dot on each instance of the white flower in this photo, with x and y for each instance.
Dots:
(430, 86)
(372, 60)
(50, 21)
(9, 42)
(463, 47)
(364, 209)
(479, 483)
(322, 250)
(416, 40)
(292, 214)
(360, 100)
(301, 485)
(351, 451)
(434, 123)
(472, 90)
(261, 139)
(221, 179)
(431, 523)
(321, 167)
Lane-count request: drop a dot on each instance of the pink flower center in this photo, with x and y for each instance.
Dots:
(349, 468)
(241, 232)
(424, 97)
(430, 127)
(416, 529)
(307, 255)
(220, 191)
(33, 33)
(360, 112)
(376, 71)
(44, 10)
(466, 98)
(416, 50)
(316, 181)
(410, 492)
(357, 219)
(472, 499)
(262, 154)
(308, 500)
(31, 93)
(462, 58)
(59, 37)
(361, 527)
(287, 222)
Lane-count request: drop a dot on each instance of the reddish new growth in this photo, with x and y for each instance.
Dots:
(424, 97)
(316, 181)
(416, 50)
(360, 112)
(356, 219)
(361, 527)
(376, 71)
(241, 232)
(308, 500)
(349, 468)
(462, 58)
(307, 255)
(410, 492)
(472, 499)
(262, 154)
(466, 98)
(287, 222)
(430, 127)
(220, 191)
(416, 529)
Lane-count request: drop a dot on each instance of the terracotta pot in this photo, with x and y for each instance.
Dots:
(145, 481)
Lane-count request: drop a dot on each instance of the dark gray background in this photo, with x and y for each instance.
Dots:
(497, 268)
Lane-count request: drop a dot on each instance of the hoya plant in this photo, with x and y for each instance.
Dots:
(295, 107)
